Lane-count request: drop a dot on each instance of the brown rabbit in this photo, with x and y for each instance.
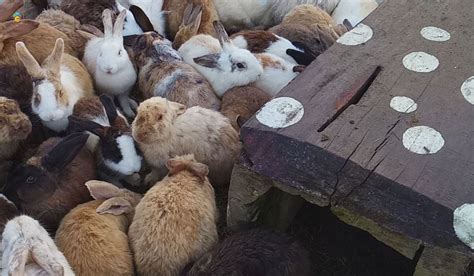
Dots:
(89, 11)
(93, 236)
(175, 222)
(240, 103)
(15, 126)
(179, 8)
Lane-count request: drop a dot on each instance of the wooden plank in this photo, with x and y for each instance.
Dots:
(358, 160)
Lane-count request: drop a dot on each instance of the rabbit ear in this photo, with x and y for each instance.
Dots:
(107, 20)
(301, 58)
(42, 256)
(178, 108)
(30, 63)
(17, 258)
(130, 40)
(54, 60)
(240, 121)
(192, 16)
(11, 29)
(221, 33)
(86, 35)
(347, 24)
(198, 169)
(77, 124)
(209, 61)
(110, 108)
(7, 8)
(142, 19)
(118, 26)
(102, 190)
(64, 152)
(174, 166)
(115, 206)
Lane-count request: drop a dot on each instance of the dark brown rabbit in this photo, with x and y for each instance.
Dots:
(256, 252)
(51, 183)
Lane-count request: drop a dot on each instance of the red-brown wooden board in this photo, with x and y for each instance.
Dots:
(358, 161)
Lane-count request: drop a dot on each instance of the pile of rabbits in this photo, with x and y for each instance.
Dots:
(119, 119)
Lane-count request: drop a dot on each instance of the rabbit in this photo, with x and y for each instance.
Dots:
(161, 72)
(179, 9)
(39, 37)
(89, 11)
(266, 42)
(175, 222)
(93, 236)
(308, 15)
(58, 84)
(16, 85)
(314, 40)
(109, 63)
(116, 152)
(66, 24)
(15, 126)
(254, 252)
(240, 103)
(51, 183)
(277, 73)
(30, 251)
(164, 129)
(32, 8)
(8, 211)
(354, 10)
(251, 14)
(224, 65)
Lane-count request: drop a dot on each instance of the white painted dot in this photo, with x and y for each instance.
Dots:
(403, 104)
(281, 112)
(464, 224)
(423, 140)
(467, 90)
(360, 34)
(420, 62)
(435, 34)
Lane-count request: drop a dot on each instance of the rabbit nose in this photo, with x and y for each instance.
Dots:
(108, 70)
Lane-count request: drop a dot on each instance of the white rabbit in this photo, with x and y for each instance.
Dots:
(109, 63)
(130, 26)
(224, 65)
(29, 250)
(353, 10)
(58, 83)
(154, 12)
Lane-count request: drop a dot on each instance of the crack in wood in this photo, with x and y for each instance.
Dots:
(351, 97)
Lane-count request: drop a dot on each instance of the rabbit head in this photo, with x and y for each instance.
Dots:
(154, 119)
(37, 179)
(11, 29)
(49, 101)
(14, 124)
(116, 148)
(116, 201)
(239, 65)
(112, 56)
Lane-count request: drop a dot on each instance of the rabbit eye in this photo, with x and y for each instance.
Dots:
(159, 117)
(31, 180)
(37, 99)
(120, 52)
(240, 65)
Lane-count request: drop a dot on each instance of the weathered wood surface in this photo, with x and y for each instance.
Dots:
(358, 161)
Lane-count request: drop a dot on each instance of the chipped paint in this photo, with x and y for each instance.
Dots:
(403, 104)
(360, 34)
(463, 224)
(467, 90)
(281, 112)
(435, 34)
(423, 140)
(420, 62)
